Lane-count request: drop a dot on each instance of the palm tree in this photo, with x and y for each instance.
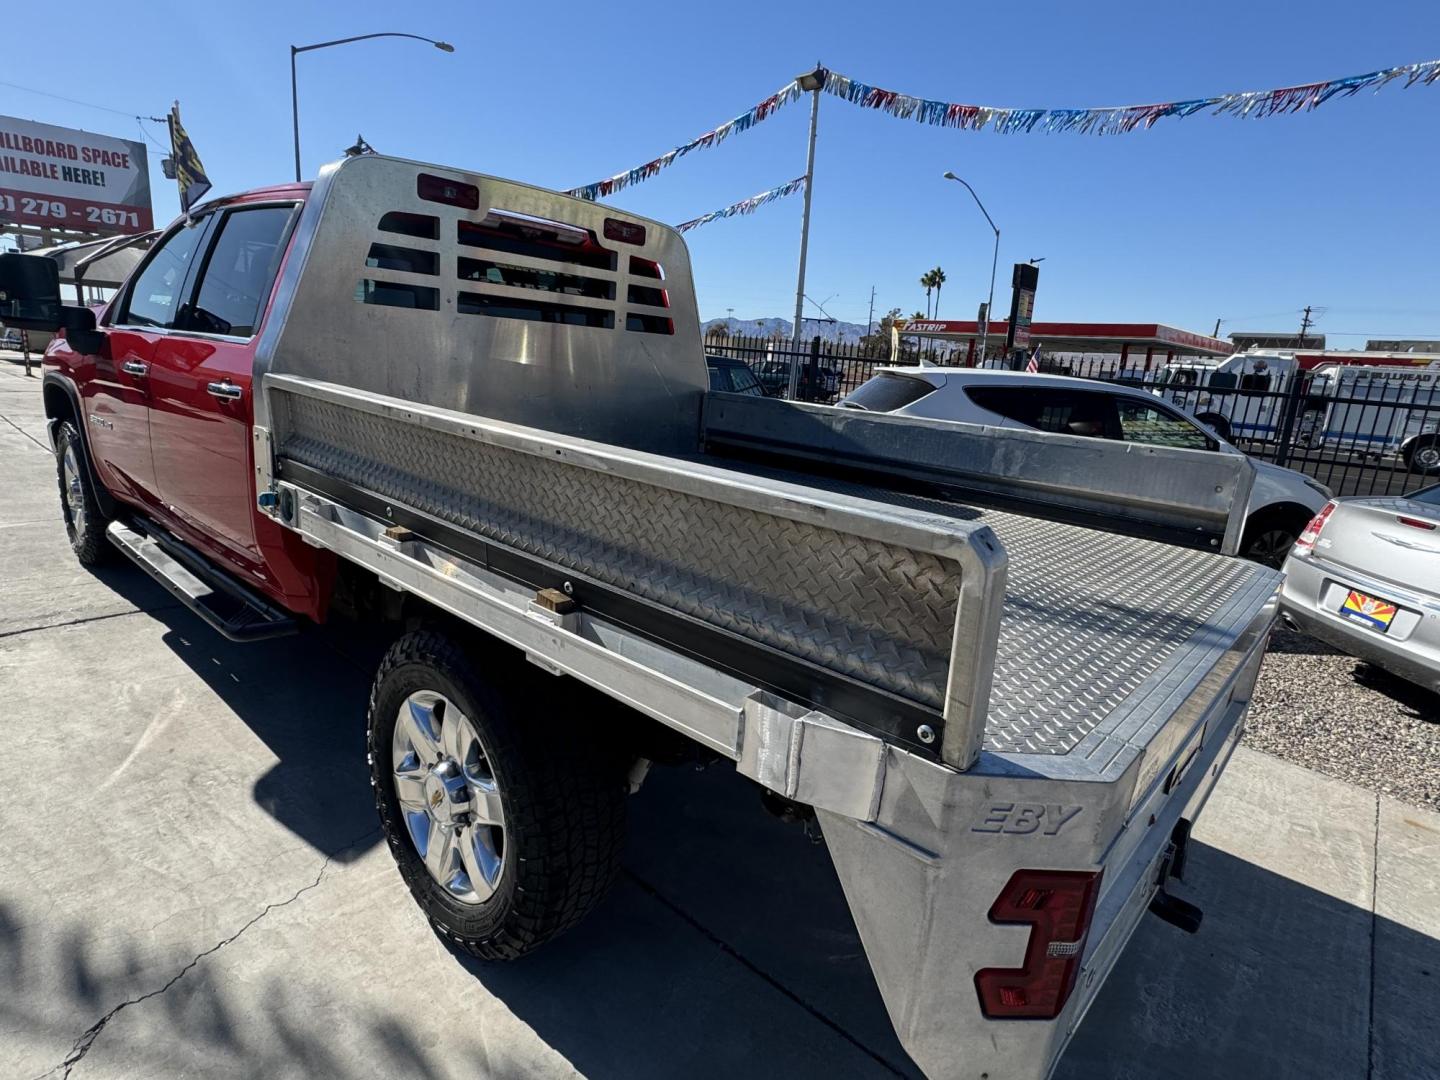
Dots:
(937, 276)
(927, 281)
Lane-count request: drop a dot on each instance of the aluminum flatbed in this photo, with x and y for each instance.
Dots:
(1098, 631)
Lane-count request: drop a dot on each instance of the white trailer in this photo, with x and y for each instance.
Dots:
(1381, 412)
(1245, 396)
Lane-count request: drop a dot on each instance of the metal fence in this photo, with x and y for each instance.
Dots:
(828, 369)
(1359, 431)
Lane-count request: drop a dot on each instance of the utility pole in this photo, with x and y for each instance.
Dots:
(1217, 327)
(870, 319)
(1304, 327)
(812, 82)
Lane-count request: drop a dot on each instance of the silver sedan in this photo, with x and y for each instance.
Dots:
(1365, 577)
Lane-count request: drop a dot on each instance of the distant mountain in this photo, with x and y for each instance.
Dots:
(840, 331)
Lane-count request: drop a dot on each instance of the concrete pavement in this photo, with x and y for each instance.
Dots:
(192, 885)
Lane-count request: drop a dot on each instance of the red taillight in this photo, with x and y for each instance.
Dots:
(626, 232)
(1057, 905)
(1415, 523)
(1306, 540)
(451, 192)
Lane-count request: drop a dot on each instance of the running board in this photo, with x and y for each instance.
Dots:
(236, 611)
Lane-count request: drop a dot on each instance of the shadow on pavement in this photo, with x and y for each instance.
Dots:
(1285, 640)
(1422, 704)
(56, 982)
(727, 948)
(304, 697)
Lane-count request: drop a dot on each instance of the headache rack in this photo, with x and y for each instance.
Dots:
(500, 299)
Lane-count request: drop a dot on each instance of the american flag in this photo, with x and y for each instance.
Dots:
(1033, 364)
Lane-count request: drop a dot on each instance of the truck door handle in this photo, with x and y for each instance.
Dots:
(225, 390)
(134, 367)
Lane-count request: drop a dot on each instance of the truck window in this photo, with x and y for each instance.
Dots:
(154, 297)
(1142, 422)
(237, 276)
(887, 392)
(1255, 382)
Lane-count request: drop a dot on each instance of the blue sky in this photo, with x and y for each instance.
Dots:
(1194, 220)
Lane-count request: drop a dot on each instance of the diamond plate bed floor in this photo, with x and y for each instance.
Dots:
(1089, 616)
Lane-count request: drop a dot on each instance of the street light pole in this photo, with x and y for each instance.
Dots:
(295, 50)
(812, 81)
(295, 111)
(994, 260)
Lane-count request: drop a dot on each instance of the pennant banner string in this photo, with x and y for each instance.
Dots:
(744, 122)
(745, 206)
(1120, 119)
(1108, 120)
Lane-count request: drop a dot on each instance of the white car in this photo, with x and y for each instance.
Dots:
(1282, 501)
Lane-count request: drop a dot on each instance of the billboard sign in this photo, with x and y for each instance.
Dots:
(62, 178)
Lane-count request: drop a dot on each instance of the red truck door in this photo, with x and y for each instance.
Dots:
(116, 395)
(200, 379)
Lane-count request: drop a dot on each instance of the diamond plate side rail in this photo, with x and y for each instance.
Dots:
(903, 601)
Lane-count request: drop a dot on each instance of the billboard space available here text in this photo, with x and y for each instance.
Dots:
(64, 178)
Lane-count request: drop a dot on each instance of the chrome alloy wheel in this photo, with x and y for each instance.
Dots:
(74, 493)
(448, 796)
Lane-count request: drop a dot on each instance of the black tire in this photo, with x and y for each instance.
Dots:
(563, 796)
(1269, 537)
(1423, 455)
(84, 521)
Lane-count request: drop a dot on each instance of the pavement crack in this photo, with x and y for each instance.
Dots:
(27, 434)
(87, 1038)
(755, 969)
(89, 619)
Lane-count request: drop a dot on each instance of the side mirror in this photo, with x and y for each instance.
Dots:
(30, 292)
(79, 326)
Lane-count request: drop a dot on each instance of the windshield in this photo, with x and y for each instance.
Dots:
(743, 380)
(1429, 495)
(1178, 376)
(887, 392)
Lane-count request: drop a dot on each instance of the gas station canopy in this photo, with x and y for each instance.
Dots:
(1129, 340)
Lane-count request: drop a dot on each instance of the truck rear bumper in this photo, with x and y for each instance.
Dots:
(921, 878)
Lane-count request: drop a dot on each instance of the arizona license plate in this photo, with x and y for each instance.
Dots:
(1374, 613)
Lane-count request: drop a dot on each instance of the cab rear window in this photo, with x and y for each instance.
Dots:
(887, 392)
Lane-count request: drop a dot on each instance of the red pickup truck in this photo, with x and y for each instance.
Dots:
(479, 410)
(164, 399)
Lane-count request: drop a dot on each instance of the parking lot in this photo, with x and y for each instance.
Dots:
(193, 882)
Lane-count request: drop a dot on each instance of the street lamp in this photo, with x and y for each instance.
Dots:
(295, 50)
(989, 304)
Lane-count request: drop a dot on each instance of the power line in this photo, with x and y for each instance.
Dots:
(140, 123)
(72, 101)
